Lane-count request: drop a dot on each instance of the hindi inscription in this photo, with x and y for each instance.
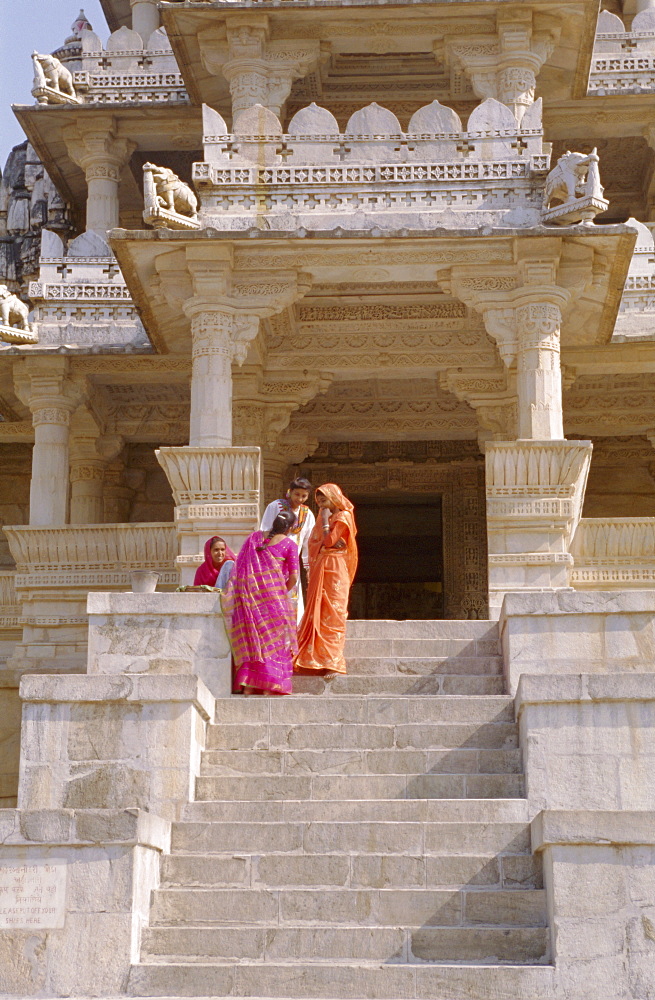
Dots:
(32, 893)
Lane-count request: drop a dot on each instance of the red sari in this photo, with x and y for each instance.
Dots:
(332, 566)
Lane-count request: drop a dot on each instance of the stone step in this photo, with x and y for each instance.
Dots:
(354, 942)
(404, 736)
(342, 981)
(420, 665)
(441, 810)
(390, 684)
(215, 763)
(359, 628)
(372, 907)
(358, 787)
(466, 836)
(354, 710)
(407, 647)
(362, 871)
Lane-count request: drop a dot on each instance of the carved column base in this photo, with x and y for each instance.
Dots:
(535, 491)
(216, 492)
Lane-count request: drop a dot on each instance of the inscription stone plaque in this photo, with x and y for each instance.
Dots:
(32, 893)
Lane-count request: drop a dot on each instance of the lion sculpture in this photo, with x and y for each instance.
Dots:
(171, 193)
(13, 312)
(50, 72)
(575, 175)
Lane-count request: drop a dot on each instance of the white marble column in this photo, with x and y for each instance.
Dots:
(87, 504)
(211, 379)
(538, 372)
(49, 486)
(102, 154)
(145, 17)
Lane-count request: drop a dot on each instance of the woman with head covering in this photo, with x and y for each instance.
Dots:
(219, 563)
(260, 617)
(332, 565)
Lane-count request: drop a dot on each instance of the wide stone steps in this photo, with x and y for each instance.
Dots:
(424, 666)
(355, 943)
(342, 980)
(374, 907)
(420, 837)
(359, 787)
(512, 870)
(369, 842)
(416, 735)
(324, 763)
(406, 683)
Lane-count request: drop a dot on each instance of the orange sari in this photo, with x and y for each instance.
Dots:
(322, 631)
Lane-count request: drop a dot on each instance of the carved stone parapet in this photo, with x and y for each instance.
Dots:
(535, 492)
(216, 491)
(57, 566)
(614, 554)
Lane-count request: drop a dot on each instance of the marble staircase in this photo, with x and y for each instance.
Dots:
(365, 838)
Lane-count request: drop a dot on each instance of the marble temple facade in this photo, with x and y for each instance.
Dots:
(403, 246)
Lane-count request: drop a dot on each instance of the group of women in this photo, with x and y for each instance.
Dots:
(272, 631)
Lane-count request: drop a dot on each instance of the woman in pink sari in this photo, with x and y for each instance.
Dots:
(260, 617)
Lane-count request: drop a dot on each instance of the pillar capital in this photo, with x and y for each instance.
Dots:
(259, 70)
(505, 65)
(98, 147)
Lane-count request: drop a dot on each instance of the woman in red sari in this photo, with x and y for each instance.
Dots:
(332, 565)
(219, 562)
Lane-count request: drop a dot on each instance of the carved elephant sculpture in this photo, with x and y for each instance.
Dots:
(13, 312)
(567, 179)
(172, 193)
(55, 74)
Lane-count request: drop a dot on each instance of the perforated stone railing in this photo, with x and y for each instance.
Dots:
(81, 298)
(624, 61)
(91, 556)
(126, 72)
(373, 173)
(613, 554)
(9, 604)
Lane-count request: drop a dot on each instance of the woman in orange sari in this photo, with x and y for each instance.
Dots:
(332, 565)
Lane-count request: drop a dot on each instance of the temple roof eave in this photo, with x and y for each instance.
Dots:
(413, 255)
(564, 76)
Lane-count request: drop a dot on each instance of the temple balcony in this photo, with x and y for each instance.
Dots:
(623, 61)
(80, 300)
(374, 175)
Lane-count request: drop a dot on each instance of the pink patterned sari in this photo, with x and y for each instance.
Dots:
(260, 618)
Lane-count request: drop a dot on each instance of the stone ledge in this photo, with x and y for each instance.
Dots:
(127, 603)
(120, 687)
(604, 828)
(540, 689)
(567, 602)
(84, 827)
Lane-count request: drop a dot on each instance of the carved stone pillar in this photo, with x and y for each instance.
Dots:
(212, 351)
(259, 70)
(506, 66)
(538, 372)
(44, 386)
(145, 17)
(102, 154)
(90, 450)
(117, 496)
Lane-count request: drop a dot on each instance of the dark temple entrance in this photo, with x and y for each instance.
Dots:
(400, 573)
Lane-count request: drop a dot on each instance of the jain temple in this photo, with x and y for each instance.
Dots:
(405, 246)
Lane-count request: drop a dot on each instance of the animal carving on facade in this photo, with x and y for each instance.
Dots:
(163, 190)
(52, 81)
(574, 185)
(14, 319)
